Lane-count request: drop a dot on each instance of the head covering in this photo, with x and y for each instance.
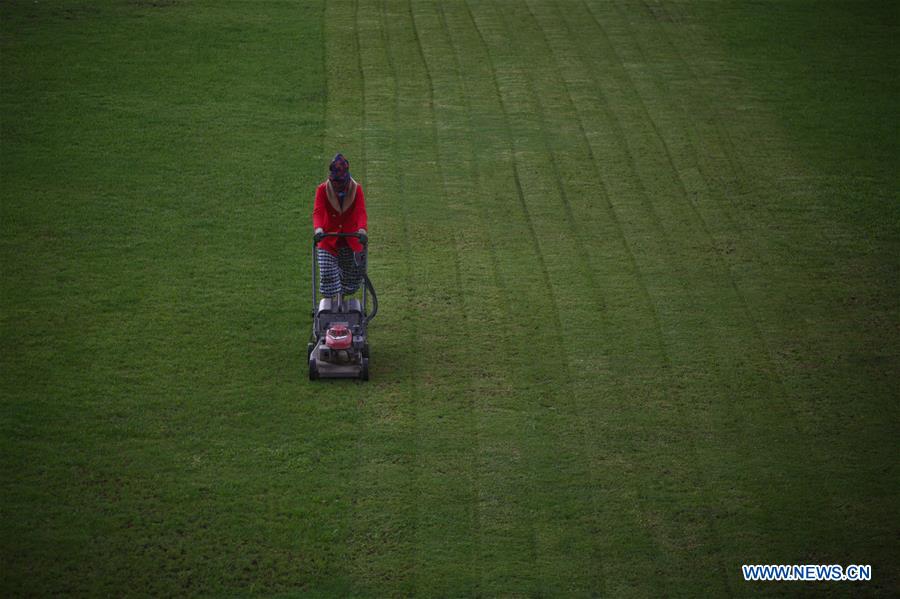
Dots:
(339, 173)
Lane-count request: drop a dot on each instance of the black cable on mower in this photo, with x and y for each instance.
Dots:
(371, 289)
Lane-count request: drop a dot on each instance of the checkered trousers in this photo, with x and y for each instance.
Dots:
(338, 274)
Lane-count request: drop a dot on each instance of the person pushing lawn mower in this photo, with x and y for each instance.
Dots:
(339, 347)
(340, 207)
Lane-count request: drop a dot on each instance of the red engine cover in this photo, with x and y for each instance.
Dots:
(338, 337)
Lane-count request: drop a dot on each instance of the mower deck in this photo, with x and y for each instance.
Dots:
(346, 362)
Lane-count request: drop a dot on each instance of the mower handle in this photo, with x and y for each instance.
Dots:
(367, 284)
(363, 239)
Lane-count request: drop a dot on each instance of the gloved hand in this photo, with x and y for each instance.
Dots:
(363, 237)
(319, 235)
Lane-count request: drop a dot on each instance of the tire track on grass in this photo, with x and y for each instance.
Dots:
(749, 322)
(743, 305)
(733, 165)
(545, 274)
(726, 143)
(605, 192)
(707, 183)
(757, 186)
(746, 184)
(632, 166)
(560, 188)
(756, 337)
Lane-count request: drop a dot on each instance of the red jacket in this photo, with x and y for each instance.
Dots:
(331, 217)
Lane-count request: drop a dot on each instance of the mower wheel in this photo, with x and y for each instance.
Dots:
(364, 371)
(365, 350)
(309, 348)
(313, 370)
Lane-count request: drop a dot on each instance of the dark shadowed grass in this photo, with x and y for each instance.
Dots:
(638, 268)
(157, 161)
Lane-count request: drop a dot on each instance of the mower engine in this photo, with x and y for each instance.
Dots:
(338, 344)
(338, 348)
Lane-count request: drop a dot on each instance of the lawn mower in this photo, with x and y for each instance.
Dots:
(339, 344)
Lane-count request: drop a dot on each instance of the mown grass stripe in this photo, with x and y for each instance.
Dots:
(670, 159)
(489, 312)
(344, 132)
(703, 184)
(385, 547)
(433, 423)
(563, 381)
(382, 506)
(410, 93)
(657, 225)
(456, 501)
(528, 221)
(506, 545)
(631, 258)
(661, 90)
(479, 311)
(579, 281)
(756, 338)
(626, 246)
(491, 79)
(725, 352)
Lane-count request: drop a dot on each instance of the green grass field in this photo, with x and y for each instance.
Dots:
(639, 272)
